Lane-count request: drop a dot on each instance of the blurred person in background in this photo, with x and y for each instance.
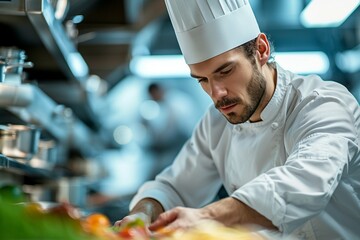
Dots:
(167, 117)
(285, 146)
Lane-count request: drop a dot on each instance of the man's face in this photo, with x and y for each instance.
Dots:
(235, 85)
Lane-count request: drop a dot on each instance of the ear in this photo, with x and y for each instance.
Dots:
(263, 49)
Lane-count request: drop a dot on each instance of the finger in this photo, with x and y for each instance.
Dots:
(118, 223)
(175, 225)
(144, 217)
(163, 220)
(126, 220)
(162, 232)
(160, 222)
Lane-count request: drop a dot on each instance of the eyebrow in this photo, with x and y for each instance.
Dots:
(219, 69)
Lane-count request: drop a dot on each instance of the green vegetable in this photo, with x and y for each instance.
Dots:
(18, 224)
(11, 193)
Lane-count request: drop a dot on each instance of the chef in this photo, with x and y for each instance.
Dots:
(284, 146)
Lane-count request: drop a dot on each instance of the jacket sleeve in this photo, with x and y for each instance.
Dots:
(192, 180)
(322, 144)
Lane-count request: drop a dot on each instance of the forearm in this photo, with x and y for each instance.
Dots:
(231, 211)
(150, 207)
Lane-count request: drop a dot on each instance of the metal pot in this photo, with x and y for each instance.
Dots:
(6, 135)
(12, 62)
(13, 55)
(20, 141)
(4, 67)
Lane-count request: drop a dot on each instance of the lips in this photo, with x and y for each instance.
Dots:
(227, 108)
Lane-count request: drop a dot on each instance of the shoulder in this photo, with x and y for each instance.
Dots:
(321, 107)
(314, 85)
(312, 92)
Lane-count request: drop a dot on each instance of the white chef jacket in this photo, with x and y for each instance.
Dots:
(299, 166)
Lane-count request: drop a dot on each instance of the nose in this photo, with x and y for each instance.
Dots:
(217, 90)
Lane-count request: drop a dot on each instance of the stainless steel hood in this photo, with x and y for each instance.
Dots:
(52, 34)
(100, 48)
(27, 101)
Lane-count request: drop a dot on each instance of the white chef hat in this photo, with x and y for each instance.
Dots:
(207, 28)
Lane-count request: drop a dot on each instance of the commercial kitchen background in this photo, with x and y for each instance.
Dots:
(87, 91)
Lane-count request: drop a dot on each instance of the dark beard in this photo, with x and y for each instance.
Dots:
(256, 91)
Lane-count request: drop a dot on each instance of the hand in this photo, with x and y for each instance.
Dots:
(134, 226)
(229, 211)
(133, 218)
(178, 218)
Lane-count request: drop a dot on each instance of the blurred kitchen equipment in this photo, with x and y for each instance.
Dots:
(6, 135)
(12, 62)
(46, 156)
(73, 190)
(61, 8)
(20, 141)
(4, 67)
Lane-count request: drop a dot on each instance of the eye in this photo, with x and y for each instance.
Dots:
(202, 80)
(226, 71)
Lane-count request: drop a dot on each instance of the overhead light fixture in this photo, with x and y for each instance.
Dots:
(349, 61)
(160, 66)
(304, 62)
(174, 66)
(327, 13)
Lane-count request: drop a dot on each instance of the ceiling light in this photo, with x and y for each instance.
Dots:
(123, 135)
(349, 61)
(327, 13)
(160, 66)
(174, 66)
(303, 62)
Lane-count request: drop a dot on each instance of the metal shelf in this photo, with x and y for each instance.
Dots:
(41, 16)
(30, 104)
(13, 165)
(51, 31)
